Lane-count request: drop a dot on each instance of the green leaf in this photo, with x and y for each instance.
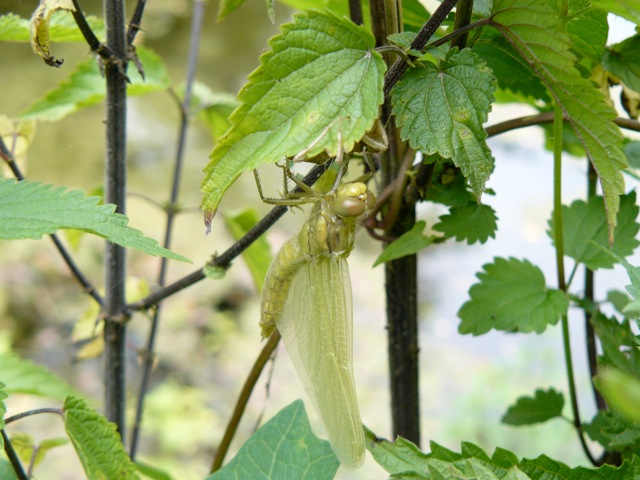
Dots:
(39, 28)
(31, 210)
(536, 31)
(614, 432)
(622, 392)
(395, 457)
(623, 60)
(213, 109)
(619, 344)
(97, 443)
(214, 272)
(588, 29)
(25, 447)
(544, 406)
(320, 82)
(22, 376)
(86, 86)
(585, 224)
(441, 108)
(629, 9)
(258, 256)
(473, 223)
(511, 296)
(407, 244)
(6, 470)
(3, 411)
(226, 7)
(62, 28)
(284, 448)
(152, 472)
(632, 151)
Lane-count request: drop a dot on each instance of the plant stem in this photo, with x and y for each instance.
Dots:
(355, 11)
(115, 192)
(197, 19)
(94, 43)
(463, 17)
(13, 458)
(30, 413)
(136, 20)
(243, 399)
(558, 228)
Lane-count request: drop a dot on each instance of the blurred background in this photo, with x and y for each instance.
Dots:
(209, 337)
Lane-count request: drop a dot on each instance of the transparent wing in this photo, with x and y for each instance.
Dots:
(317, 328)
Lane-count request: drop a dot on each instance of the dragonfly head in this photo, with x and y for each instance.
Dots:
(353, 199)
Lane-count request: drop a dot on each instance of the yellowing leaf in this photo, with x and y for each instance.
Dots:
(39, 26)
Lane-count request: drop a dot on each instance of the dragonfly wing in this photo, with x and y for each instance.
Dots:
(317, 328)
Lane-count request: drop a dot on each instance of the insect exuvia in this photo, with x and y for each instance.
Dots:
(307, 296)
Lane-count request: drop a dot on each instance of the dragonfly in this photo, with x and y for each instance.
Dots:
(307, 297)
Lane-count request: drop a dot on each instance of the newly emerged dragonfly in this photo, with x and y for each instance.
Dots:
(307, 296)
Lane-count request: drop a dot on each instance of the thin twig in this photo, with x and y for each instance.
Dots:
(13, 458)
(243, 399)
(225, 259)
(197, 19)
(30, 413)
(66, 256)
(355, 11)
(136, 21)
(94, 43)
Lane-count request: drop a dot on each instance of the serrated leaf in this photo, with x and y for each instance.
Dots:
(258, 256)
(619, 344)
(473, 223)
(86, 86)
(511, 295)
(543, 406)
(320, 81)
(613, 431)
(629, 9)
(284, 448)
(39, 28)
(32, 209)
(23, 376)
(588, 30)
(537, 32)
(407, 244)
(97, 443)
(622, 392)
(441, 108)
(395, 457)
(585, 224)
(214, 108)
(623, 60)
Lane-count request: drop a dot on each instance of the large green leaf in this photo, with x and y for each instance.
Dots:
(23, 376)
(97, 443)
(543, 406)
(285, 448)
(511, 295)
(86, 86)
(537, 33)
(321, 81)
(585, 223)
(32, 209)
(441, 109)
(623, 60)
(629, 9)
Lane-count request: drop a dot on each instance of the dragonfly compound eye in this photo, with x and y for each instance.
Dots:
(348, 206)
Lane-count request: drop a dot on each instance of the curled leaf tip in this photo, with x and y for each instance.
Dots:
(208, 217)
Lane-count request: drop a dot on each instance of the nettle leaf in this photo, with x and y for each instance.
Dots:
(614, 431)
(618, 344)
(473, 223)
(283, 448)
(407, 244)
(86, 86)
(511, 71)
(39, 28)
(97, 442)
(511, 295)
(537, 33)
(585, 223)
(32, 209)
(588, 29)
(23, 376)
(213, 108)
(258, 256)
(441, 108)
(623, 60)
(543, 406)
(321, 81)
